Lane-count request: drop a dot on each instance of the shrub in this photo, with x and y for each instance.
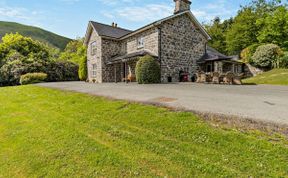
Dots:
(31, 78)
(62, 71)
(147, 70)
(82, 72)
(247, 53)
(284, 61)
(267, 56)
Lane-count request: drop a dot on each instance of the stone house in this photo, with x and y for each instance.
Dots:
(177, 42)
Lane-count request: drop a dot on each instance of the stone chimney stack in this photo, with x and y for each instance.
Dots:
(181, 6)
(113, 24)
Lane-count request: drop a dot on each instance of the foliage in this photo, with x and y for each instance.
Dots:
(52, 133)
(147, 70)
(267, 56)
(274, 28)
(217, 32)
(261, 21)
(62, 71)
(20, 55)
(283, 61)
(83, 69)
(273, 77)
(243, 31)
(35, 33)
(247, 53)
(31, 78)
(75, 51)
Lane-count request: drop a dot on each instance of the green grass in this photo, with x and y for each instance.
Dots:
(50, 133)
(274, 77)
(35, 33)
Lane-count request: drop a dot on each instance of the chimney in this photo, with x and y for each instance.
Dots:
(116, 25)
(113, 24)
(181, 6)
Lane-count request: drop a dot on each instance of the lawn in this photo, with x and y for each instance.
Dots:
(274, 77)
(50, 133)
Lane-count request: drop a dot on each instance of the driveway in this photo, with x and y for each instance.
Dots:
(262, 102)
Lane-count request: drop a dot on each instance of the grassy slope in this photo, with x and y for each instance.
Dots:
(35, 33)
(45, 132)
(275, 77)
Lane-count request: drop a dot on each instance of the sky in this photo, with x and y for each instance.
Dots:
(70, 17)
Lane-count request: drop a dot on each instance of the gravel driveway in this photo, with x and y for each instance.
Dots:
(262, 102)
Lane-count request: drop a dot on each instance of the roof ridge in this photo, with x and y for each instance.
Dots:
(111, 26)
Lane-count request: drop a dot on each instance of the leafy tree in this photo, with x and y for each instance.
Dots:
(74, 51)
(243, 31)
(217, 32)
(274, 28)
(20, 55)
(267, 56)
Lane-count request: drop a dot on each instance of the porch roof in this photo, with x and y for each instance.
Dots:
(130, 56)
(213, 55)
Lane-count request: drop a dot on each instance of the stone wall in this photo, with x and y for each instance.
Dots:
(182, 44)
(94, 59)
(150, 36)
(110, 49)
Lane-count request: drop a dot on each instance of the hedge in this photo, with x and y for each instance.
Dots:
(147, 70)
(31, 78)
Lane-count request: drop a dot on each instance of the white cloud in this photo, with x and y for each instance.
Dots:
(219, 8)
(148, 12)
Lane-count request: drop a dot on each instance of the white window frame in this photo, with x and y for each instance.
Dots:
(94, 71)
(93, 48)
(140, 42)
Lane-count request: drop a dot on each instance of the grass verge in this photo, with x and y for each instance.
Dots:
(273, 77)
(45, 132)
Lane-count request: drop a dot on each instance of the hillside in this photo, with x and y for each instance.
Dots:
(273, 77)
(35, 33)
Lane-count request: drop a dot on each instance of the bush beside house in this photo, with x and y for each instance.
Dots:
(267, 56)
(147, 70)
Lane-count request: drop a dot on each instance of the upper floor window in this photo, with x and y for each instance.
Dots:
(140, 42)
(93, 48)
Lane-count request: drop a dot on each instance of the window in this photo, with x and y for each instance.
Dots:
(94, 70)
(93, 48)
(140, 42)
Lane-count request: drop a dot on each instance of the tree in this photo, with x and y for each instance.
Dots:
(217, 32)
(243, 31)
(20, 55)
(274, 28)
(74, 51)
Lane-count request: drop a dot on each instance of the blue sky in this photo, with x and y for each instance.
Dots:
(70, 17)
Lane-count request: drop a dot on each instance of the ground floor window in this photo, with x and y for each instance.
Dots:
(94, 70)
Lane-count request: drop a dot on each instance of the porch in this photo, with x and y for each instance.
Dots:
(124, 67)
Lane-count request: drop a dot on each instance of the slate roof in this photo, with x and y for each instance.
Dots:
(116, 32)
(109, 31)
(213, 55)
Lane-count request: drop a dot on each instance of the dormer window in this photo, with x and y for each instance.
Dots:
(93, 48)
(140, 42)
